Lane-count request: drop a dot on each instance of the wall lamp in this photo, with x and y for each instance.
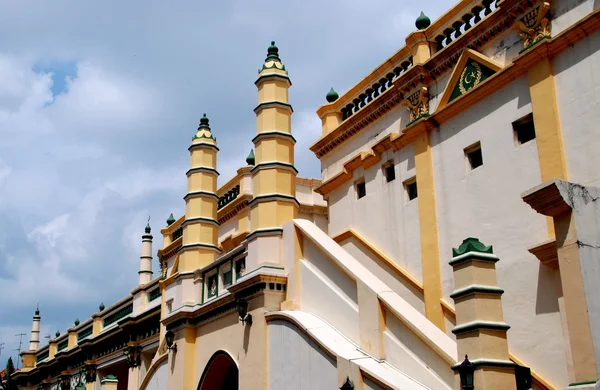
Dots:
(242, 309)
(466, 370)
(170, 337)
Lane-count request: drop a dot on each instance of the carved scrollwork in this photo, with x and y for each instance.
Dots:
(133, 353)
(535, 25)
(90, 373)
(417, 104)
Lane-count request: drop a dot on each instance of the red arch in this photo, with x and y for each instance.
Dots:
(221, 373)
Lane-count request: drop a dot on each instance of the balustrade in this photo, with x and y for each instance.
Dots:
(228, 197)
(463, 23)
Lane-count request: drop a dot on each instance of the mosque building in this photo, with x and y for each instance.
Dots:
(452, 241)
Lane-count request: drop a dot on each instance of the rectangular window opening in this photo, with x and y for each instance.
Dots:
(474, 156)
(410, 187)
(524, 129)
(361, 189)
(389, 171)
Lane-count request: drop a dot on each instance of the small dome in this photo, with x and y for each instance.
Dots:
(170, 220)
(147, 229)
(422, 21)
(332, 96)
(203, 122)
(76, 321)
(251, 160)
(101, 307)
(57, 333)
(272, 52)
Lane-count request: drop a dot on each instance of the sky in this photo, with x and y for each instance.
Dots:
(99, 101)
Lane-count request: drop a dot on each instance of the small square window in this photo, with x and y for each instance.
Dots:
(410, 187)
(524, 129)
(474, 156)
(390, 172)
(361, 189)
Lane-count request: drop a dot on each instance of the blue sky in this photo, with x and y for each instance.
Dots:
(99, 101)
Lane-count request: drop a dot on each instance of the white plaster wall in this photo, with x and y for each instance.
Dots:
(565, 13)
(318, 219)
(385, 273)
(159, 378)
(228, 228)
(384, 216)
(577, 77)
(297, 362)
(371, 385)
(328, 292)
(486, 203)
(393, 121)
(404, 350)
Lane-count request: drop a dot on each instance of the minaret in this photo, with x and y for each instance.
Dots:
(145, 272)
(34, 342)
(274, 174)
(200, 228)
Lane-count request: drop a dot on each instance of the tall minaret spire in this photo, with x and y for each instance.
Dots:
(145, 272)
(274, 174)
(34, 342)
(200, 228)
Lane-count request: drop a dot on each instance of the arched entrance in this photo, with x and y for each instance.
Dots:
(221, 373)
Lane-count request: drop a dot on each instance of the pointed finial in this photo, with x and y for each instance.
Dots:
(170, 220)
(76, 321)
(101, 307)
(57, 334)
(272, 53)
(422, 21)
(332, 96)
(250, 160)
(204, 123)
(37, 310)
(147, 228)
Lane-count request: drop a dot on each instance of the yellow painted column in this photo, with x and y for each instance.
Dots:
(274, 174)
(549, 140)
(430, 256)
(200, 228)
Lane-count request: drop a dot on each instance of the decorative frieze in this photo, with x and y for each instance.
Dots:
(535, 25)
(417, 104)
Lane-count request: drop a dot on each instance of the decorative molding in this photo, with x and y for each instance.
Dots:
(417, 104)
(535, 25)
(546, 253)
(133, 354)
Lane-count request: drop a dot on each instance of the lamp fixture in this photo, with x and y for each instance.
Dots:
(242, 308)
(170, 337)
(348, 385)
(466, 370)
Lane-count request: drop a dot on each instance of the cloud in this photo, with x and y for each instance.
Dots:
(97, 112)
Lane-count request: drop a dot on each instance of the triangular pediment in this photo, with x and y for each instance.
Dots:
(470, 71)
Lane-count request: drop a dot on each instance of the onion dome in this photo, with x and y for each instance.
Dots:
(332, 96)
(422, 21)
(251, 160)
(101, 307)
(76, 321)
(170, 220)
(147, 229)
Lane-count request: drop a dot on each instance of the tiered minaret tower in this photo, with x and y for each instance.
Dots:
(274, 174)
(34, 342)
(145, 272)
(200, 228)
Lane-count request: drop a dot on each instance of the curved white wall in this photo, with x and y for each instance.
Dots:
(158, 380)
(296, 362)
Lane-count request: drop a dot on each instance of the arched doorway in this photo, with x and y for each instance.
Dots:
(221, 373)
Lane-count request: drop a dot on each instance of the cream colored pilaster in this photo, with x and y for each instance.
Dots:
(348, 371)
(51, 348)
(430, 257)
(71, 338)
(274, 174)
(371, 322)
(548, 133)
(330, 115)
(133, 376)
(480, 328)
(109, 382)
(419, 47)
(575, 213)
(200, 228)
(96, 324)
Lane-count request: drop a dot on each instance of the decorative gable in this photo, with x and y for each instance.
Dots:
(471, 70)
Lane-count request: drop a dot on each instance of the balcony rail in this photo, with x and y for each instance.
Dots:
(458, 21)
(62, 345)
(228, 197)
(118, 315)
(154, 294)
(177, 233)
(84, 334)
(42, 356)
